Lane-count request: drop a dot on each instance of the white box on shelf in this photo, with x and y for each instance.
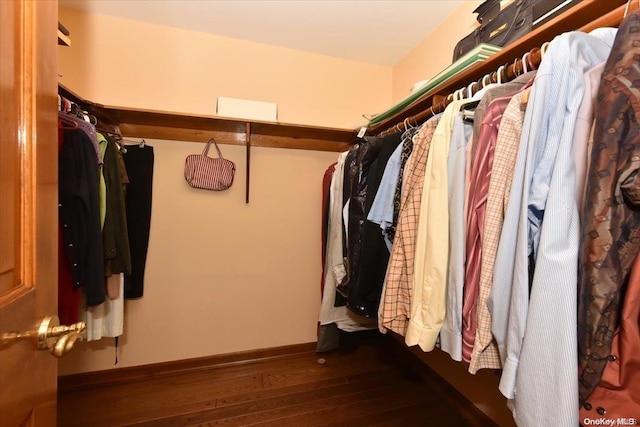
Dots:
(247, 109)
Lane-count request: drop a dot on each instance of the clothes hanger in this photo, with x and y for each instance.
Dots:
(408, 129)
(67, 123)
(499, 72)
(486, 80)
(471, 89)
(123, 147)
(494, 77)
(524, 100)
(468, 107)
(525, 58)
(516, 71)
(131, 142)
(543, 50)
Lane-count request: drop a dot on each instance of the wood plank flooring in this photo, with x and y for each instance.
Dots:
(367, 386)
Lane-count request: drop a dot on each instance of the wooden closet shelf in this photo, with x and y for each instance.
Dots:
(585, 16)
(138, 123)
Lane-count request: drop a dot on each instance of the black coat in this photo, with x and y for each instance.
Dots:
(79, 213)
(367, 254)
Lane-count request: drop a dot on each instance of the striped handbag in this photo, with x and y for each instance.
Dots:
(202, 171)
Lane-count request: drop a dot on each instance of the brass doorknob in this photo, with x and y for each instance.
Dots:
(49, 335)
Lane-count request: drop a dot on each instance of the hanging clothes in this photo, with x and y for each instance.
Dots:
(485, 352)
(458, 175)
(356, 182)
(334, 271)
(611, 228)
(407, 150)
(90, 130)
(326, 217)
(364, 294)
(68, 294)
(618, 393)
(451, 331)
(117, 255)
(106, 319)
(547, 234)
(79, 214)
(382, 209)
(428, 305)
(549, 212)
(139, 166)
(395, 304)
(487, 120)
(583, 137)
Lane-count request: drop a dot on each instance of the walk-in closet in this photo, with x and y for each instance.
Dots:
(310, 213)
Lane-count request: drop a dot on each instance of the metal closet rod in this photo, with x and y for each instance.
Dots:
(505, 73)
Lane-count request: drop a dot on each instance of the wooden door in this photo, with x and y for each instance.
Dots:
(28, 206)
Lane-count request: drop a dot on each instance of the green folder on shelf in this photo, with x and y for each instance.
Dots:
(478, 54)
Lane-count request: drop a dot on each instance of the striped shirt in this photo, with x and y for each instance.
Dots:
(544, 363)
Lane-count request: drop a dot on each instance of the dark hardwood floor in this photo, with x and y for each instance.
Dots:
(365, 386)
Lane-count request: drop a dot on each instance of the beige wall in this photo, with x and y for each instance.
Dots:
(435, 52)
(222, 276)
(121, 62)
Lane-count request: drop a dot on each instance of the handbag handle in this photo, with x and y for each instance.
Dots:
(206, 148)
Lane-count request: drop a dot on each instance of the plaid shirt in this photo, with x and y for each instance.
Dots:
(395, 305)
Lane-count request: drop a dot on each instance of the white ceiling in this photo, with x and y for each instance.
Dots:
(374, 31)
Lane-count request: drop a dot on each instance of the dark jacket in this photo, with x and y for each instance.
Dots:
(117, 257)
(364, 293)
(79, 211)
(367, 255)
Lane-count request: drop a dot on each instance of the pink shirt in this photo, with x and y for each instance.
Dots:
(476, 205)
